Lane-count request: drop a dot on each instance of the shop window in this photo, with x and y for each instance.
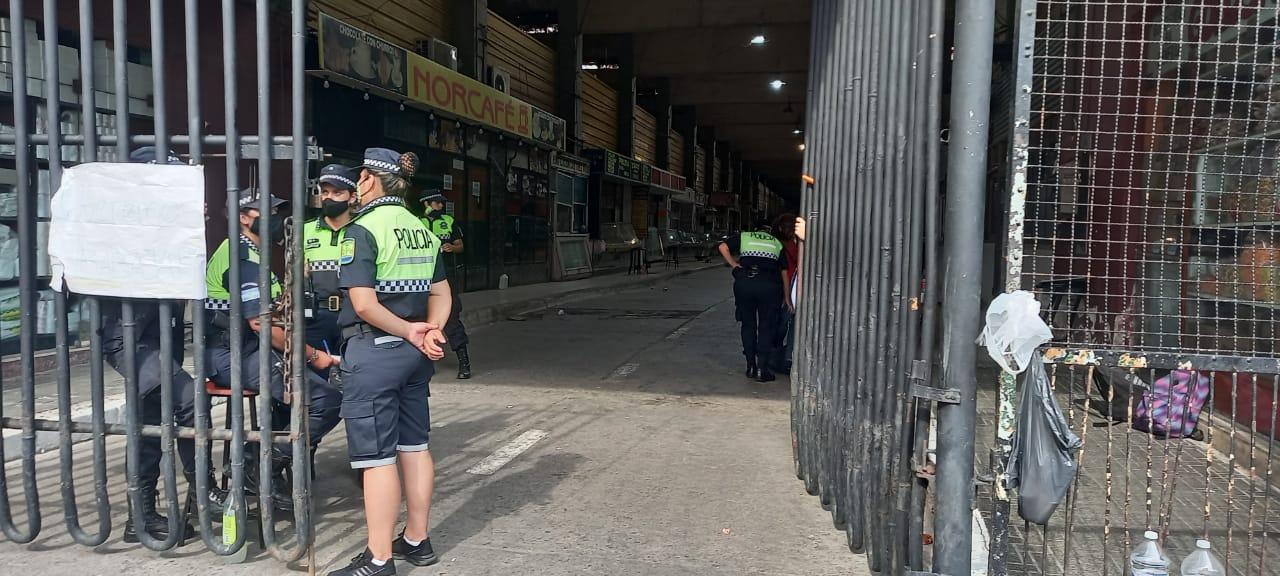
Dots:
(528, 216)
(571, 204)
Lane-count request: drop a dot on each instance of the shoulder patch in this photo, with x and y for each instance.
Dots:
(347, 253)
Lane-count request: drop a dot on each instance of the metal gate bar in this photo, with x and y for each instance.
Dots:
(25, 142)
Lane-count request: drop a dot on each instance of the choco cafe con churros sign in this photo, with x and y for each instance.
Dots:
(352, 52)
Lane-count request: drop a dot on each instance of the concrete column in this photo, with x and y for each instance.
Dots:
(625, 84)
(470, 18)
(569, 72)
(684, 121)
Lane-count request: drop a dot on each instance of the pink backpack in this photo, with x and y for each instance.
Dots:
(1171, 407)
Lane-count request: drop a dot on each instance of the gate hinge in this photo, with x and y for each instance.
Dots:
(943, 395)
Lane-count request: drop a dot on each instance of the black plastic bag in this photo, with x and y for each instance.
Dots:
(1043, 463)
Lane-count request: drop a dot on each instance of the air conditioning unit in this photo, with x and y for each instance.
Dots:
(500, 79)
(439, 51)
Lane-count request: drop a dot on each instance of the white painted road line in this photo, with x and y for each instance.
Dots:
(507, 453)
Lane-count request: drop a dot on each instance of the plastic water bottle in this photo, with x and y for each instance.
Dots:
(1202, 562)
(1148, 559)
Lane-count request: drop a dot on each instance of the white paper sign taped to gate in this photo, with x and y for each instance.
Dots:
(129, 230)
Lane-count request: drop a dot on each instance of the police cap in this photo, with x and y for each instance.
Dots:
(432, 195)
(382, 159)
(147, 155)
(250, 199)
(339, 176)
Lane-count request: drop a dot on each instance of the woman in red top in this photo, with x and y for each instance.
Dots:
(784, 229)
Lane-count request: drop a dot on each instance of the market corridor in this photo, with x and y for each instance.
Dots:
(645, 451)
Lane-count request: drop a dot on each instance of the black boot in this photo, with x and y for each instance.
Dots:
(215, 500)
(753, 372)
(765, 374)
(155, 524)
(464, 363)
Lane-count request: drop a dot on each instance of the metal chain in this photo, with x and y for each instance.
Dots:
(285, 310)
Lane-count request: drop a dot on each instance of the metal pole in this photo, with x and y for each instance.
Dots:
(966, 198)
(265, 355)
(302, 502)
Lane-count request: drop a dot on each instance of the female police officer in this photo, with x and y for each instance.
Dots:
(396, 300)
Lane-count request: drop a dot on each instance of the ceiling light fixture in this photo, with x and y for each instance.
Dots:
(759, 40)
(801, 146)
(777, 84)
(797, 131)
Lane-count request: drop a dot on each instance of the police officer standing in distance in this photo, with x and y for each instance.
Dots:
(758, 280)
(396, 300)
(321, 246)
(450, 235)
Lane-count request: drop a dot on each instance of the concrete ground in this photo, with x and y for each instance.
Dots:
(649, 453)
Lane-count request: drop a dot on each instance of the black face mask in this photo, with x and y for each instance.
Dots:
(333, 208)
(433, 214)
(274, 231)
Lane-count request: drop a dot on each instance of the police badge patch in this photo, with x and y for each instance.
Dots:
(348, 251)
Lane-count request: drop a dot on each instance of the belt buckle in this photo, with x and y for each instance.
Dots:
(333, 303)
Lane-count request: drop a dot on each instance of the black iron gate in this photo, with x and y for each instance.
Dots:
(39, 148)
(1144, 216)
(866, 393)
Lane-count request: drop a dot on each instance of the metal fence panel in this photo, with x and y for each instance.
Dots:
(39, 148)
(1144, 216)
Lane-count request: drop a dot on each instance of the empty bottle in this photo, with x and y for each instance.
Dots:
(1148, 559)
(1202, 562)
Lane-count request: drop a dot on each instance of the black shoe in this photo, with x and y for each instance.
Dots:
(363, 565)
(420, 555)
(464, 363)
(752, 371)
(766, 375)
(215, 500)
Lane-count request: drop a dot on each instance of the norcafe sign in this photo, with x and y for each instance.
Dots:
(351, 52)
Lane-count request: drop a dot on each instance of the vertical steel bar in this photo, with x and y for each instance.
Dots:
(302, 474)
(966, 197)
(266, 356)
(168, 463)
(120, 54)
(932, 219)
(1023, 67)
(236, 329)
(22, 161)
(97, 400)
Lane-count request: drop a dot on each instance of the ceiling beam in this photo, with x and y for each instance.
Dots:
(614, 16)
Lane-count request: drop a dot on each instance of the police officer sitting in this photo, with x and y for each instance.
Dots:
(758, 280)
(149, 366)
(450, 235)
(321, 239)
(324, 400)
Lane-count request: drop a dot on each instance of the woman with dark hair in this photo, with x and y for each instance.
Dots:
(396, 300)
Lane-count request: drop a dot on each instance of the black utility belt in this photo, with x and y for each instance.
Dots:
(332, 303)
(367, 329)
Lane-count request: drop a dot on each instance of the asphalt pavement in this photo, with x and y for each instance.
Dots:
(610, 435)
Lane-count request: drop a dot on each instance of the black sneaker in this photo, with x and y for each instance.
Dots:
(420, 555)
(363, 565)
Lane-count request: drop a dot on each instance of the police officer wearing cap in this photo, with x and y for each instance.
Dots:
(450, 235)
(321, 240)
(149, 366)
(324, 400)
(396, 300)
(758, 280)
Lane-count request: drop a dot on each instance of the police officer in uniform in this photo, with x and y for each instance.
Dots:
(324, 400)
(396, 300)
(758, 280)
(149, 365)
(321, 240)
(450, 235)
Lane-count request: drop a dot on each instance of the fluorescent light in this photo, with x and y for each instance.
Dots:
(777, 84)
(797, 131)
(758, 40)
